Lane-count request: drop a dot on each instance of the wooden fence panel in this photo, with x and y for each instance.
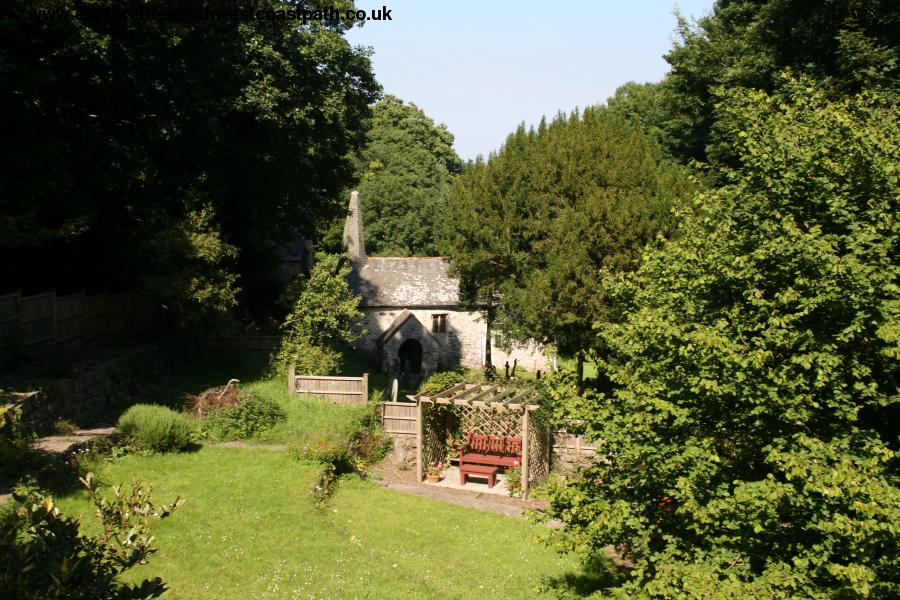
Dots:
(96, 312)
(119, 312)
(564, 441)
(9, 319)
(36, 319)
(343, 390)
(399, 417)
(69, 317)
(48, 318)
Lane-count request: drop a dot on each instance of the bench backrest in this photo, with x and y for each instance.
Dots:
(495, 444)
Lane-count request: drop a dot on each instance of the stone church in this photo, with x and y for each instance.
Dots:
(413, 316)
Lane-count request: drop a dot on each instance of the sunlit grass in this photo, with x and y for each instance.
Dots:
(250, 529)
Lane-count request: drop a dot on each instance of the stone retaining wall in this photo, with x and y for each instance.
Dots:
(92, 397)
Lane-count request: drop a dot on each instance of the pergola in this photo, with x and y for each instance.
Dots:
(486, 410)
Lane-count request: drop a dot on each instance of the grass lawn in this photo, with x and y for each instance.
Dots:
(250, 529)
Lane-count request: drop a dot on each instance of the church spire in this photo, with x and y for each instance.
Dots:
(353, 242)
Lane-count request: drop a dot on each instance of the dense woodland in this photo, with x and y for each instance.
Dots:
(172, 157)
(723, 244)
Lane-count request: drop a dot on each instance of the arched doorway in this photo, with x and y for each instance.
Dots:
(410, 356)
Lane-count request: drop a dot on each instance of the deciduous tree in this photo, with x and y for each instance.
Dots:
(753, 437)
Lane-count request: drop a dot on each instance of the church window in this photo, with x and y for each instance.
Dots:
(439, 323)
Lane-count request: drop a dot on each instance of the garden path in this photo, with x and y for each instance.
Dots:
(57, 445)
(392, 477)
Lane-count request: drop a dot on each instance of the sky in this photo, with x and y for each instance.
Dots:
(483, 67)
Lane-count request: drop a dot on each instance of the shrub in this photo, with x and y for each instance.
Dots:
(156, 428)
(441, 380)
(64, 427)
(367, 441)
(44, 555)
(13, 442)
(326, 448)
(361, 444)
(251, 417)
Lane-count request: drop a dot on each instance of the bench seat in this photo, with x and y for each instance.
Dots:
(489, 472)
(489, 459)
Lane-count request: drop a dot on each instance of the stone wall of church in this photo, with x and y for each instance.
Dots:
(463, 342)
(530, 356)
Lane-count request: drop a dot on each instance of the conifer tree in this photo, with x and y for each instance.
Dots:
(531, 227)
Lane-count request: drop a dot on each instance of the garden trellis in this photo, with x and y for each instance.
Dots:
(483, 410)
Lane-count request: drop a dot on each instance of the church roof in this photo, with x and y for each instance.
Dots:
(407, 282)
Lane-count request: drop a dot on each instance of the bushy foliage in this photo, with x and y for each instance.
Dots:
(846, 45)
(44, 555)
(753, 433)
(367, 440)
(156, 428)
(441, 380)
(405, 171)
(185, 171)
(247, 419)
(361, 444)
(326, 448)
(13, 442)
(529, 229)
(324, 316)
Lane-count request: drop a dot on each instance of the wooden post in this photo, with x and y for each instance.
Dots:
(419, 473)
(292, 381)
(365, 387)
(524, 471)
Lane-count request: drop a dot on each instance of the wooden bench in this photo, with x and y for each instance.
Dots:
(466, 470)
(492, 450)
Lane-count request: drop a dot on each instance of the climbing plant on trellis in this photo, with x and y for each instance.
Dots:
(484, 410)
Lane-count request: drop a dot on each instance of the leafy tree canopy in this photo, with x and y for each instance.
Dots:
(528, 230)
(753, 437)
(846, 45)
(324, 317)
(175, 156)
(404, 173)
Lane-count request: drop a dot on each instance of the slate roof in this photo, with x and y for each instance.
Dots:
(407, 282)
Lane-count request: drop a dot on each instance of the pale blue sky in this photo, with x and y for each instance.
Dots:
(483, 67)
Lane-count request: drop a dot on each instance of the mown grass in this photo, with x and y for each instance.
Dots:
(250, 529)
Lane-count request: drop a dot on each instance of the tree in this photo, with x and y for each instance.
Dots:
(753, 436)
(845, 45)
(528, 229)
(325, 316)
(130, 137)
(404, 173)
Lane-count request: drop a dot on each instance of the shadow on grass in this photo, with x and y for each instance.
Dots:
(598, 573)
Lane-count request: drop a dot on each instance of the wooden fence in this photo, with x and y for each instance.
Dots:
(50, 319)
(399, 417)
(242, 343)
(565, 442)
(343, 390)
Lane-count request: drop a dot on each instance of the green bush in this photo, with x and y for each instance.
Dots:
(43, 554)
(247, 419)
(156, 428)
(367, 441)
(325, 448)
(362, 443)
(442, 380)
(13, 442)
